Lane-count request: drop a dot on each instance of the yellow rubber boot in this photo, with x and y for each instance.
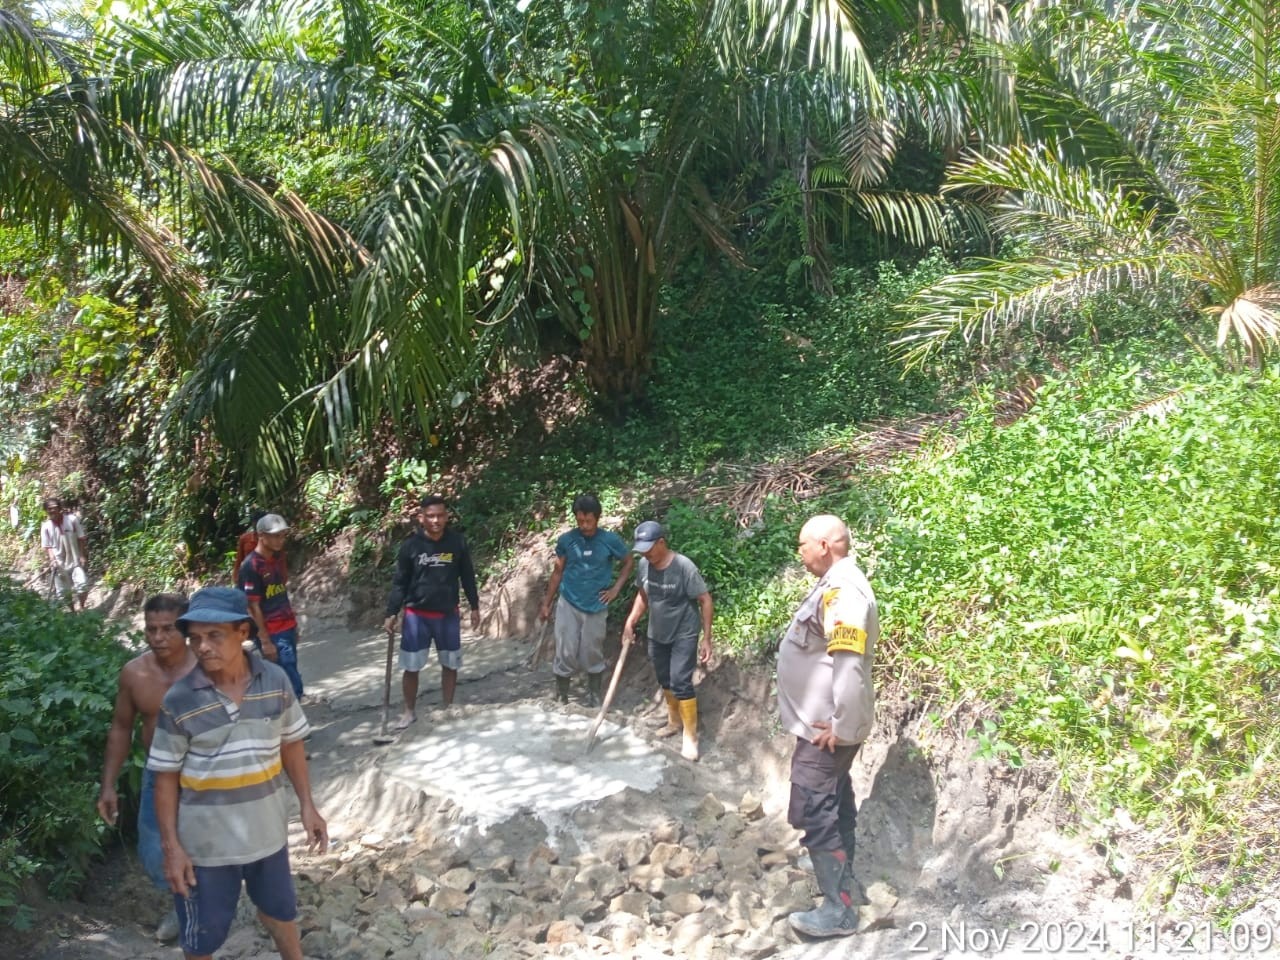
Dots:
(673, 724)
(689, 717)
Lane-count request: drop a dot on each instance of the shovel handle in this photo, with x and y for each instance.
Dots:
(539, 652)
(608, 697)
(386, 687)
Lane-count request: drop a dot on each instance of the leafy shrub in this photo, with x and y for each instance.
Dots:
(1104, 579)
(757, 368)
(743, 368)
(57, 689)
(1099, 575)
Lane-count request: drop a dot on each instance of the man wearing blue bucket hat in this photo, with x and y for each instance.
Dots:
(229, 732)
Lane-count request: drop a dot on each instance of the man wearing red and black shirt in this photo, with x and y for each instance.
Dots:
(431, 564)
(264, 579)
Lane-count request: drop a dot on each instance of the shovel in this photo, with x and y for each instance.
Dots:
(383, 738)
(608, 697)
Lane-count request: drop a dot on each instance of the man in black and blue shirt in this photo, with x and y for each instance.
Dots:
(431, 565)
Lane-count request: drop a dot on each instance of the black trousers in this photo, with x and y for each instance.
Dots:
(822, 797)
(674, 664)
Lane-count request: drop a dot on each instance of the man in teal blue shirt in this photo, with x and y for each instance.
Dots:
(584, 577)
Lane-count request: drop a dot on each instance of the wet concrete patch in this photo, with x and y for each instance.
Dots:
(522, 759)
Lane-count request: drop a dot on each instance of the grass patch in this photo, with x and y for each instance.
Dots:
(744, 369)
(1105, 582)
(1098, 577)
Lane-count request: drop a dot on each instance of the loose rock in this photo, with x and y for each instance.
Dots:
(564, 931)
(459, 878)
(711, 808)
(450, 901)
(635, 850)
(878, 914)
(683, 903)
(667, 832)
(633, 902)
(604, 881)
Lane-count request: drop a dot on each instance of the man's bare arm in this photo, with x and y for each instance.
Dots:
(264, 637)
(557, 574)
(708, 610)
(293, 756)
(612, 593)
(178, 868)
(119, 739)
(638, 608)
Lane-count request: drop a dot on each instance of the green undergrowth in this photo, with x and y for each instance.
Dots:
(57, 689)
(745, 368)
(1096, 579)
(1102, 576)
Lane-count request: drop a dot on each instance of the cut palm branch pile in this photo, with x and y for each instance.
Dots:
(803, 478)
(1157, 410)
(800, 479)
(1012, 405)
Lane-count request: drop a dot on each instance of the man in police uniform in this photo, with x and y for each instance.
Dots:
(826, 699)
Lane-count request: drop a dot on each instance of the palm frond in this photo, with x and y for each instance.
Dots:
(1047, 203)
(868, 144)
(826, 33)
(978, 305)
(920, 219)
(1253, 318)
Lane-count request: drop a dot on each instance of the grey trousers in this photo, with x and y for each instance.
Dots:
(579, 640)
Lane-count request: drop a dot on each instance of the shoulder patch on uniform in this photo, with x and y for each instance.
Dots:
(845, 638)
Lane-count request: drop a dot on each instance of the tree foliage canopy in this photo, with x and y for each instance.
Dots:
(1148, 160)
(355, 208)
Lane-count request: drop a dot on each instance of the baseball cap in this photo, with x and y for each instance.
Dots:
(647, 534)
(273, 523)
(217, 605)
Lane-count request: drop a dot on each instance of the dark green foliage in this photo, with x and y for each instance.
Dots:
(748, 368)
(57, 689)
(740, 374)
(1104, 576)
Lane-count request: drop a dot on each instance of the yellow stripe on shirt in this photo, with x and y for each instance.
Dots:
(231, 783)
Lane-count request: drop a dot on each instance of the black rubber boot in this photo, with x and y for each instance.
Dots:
(593, 689)
(849, 882)
(562, 689)
(852, 887)
(835, 918)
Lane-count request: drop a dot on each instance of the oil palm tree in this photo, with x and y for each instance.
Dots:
(59, 157)
(509, 163)
(520, 163)
(1149, 162)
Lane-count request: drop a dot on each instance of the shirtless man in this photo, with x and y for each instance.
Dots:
(143, 683)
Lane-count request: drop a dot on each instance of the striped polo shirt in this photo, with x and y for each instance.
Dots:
(231, 801)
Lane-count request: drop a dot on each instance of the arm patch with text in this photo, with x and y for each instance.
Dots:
(841, 637)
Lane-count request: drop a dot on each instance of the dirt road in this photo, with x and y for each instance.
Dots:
(486, 830)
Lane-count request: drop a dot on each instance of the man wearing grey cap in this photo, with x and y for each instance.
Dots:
(670, 588)
(264, 578)
(228, 735)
